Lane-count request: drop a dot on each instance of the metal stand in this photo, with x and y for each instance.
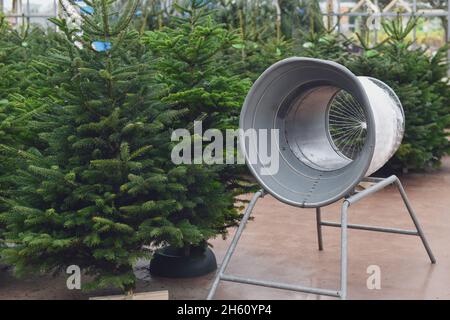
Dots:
(379, 183)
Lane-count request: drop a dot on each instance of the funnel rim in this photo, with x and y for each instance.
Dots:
(364, 160)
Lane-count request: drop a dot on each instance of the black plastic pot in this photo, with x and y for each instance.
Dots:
(188, 262)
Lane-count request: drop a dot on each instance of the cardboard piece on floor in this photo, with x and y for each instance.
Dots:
(363, 185)
(156, 295)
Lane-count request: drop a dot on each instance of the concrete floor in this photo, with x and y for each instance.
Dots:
(281, 245)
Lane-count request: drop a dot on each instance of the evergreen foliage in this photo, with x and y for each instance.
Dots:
(255, 56)
(259, 44)
(19, 99)
(105, 185)
(87, 115)
(67, 205)
(193, 64)
(310, 19)
(18, 50)
(327, 45)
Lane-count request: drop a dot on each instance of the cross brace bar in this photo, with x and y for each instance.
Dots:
(379, 183)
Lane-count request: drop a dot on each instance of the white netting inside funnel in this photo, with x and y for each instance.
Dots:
(347, 125)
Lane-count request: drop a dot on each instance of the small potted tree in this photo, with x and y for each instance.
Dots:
(190, 65)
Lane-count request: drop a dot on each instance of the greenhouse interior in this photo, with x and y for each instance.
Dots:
(224, 150)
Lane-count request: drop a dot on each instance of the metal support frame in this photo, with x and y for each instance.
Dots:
(379, 184)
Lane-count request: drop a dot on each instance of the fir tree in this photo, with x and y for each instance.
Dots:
(105, 185)
(310, 17)
(326, 45)
(66, 207)
(19, 100)
(288, 14)
(17, 51)
(191, 65)
(260, 42)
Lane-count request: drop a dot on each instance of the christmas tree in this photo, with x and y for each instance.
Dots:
(260, 41)
(326, 45)
(66, 206)
(190, 65)
(103, 184)
(193, 64)
(19, 100)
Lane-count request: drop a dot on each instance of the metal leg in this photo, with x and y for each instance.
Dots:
(381, 183)
(415, 220)
(344, 244)
(220, 275)
(342, 293)
(319, 229)
(233, 244)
